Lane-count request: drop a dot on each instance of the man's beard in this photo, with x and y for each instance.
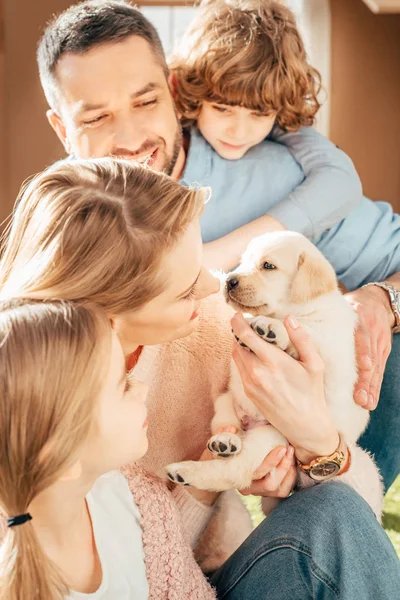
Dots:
(148, 145)
(171, 162)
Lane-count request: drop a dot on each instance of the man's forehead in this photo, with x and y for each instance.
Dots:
(129, 66)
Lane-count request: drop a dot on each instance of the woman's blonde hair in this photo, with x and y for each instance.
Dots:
(52, 356)
(95, 230)
(245, 53)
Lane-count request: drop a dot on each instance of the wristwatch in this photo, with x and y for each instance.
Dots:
(394, 296)
(326, 467)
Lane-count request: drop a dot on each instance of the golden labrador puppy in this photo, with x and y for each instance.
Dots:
(280, 273)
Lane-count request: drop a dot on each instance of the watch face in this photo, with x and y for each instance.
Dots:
(324, 471)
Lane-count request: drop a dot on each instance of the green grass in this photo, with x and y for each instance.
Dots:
(391, 514)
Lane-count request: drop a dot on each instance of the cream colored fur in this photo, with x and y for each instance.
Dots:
(302, 284)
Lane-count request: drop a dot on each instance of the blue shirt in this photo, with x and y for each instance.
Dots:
(359, 237)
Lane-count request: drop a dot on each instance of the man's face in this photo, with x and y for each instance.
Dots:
(114, 100)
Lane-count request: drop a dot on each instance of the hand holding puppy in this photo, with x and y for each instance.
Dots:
(276, 476)
(289, 393)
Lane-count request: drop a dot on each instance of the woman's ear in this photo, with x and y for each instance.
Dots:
(314, 277)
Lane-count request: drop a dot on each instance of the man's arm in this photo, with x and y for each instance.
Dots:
(373, 338)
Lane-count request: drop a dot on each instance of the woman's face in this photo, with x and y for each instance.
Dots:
(173, 314)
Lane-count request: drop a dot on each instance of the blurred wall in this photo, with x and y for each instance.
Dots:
(365, 99)
(27, 143)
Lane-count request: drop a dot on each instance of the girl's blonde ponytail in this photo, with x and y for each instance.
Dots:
(52, 356)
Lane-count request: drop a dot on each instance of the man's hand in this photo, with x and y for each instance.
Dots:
(373, 341)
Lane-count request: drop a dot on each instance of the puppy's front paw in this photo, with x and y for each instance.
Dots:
(271, 330)
(203, 475)
(225, 444)
(179, 472)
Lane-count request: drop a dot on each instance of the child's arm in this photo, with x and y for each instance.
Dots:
(330, 191)
(331, 188)
(225, 253)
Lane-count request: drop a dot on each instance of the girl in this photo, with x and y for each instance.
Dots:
(70, 417)
(129, 240)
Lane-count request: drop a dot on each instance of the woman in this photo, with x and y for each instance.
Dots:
(129, 240)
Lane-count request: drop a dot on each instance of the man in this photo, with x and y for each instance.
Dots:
(104, 74)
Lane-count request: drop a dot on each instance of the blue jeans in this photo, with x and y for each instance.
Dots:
(382, 436)
(322, 543)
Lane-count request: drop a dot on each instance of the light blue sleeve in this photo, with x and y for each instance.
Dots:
(331, 188)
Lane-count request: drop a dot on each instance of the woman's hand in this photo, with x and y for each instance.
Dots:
(289, 393)
(276, 475)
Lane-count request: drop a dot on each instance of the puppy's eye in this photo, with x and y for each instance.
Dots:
(268, 266)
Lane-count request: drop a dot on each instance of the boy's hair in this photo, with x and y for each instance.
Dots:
(86, 25)
(245, 53)
(52, 360)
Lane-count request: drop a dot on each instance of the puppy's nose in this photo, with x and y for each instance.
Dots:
(232, 283)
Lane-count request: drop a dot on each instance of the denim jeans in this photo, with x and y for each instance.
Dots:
(321, 543)
(382, 436)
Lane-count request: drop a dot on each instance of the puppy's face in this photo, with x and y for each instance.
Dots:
(276, 270)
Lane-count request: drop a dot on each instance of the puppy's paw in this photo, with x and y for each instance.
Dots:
(271, 330)
(225, 444)
(179, 472)
(202, 475)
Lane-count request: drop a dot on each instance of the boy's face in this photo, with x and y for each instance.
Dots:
(233, 130)
(114, 100)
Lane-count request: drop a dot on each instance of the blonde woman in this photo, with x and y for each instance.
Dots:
(129, 240)
(70, 417)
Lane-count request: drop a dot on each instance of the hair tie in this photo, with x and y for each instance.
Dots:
(18, 520)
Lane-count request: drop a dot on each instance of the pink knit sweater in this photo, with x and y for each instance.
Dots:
(171, 570)
(184, 378)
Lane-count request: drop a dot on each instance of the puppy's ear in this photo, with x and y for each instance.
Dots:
(314, 277)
